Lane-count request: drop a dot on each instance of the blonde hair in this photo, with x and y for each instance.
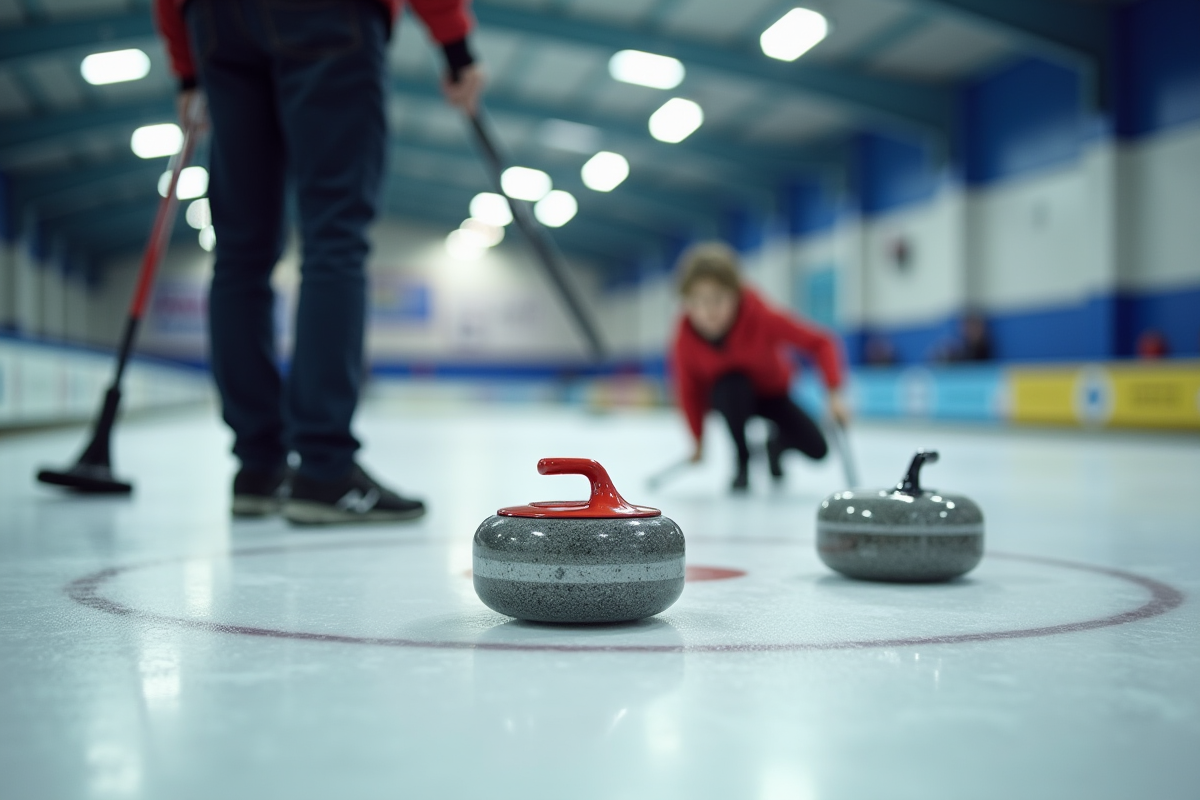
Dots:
(712, 261)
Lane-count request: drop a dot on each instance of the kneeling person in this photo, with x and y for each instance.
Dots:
(730, 354)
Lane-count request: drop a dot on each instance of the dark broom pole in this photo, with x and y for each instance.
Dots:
(92, 473)
(539, 239)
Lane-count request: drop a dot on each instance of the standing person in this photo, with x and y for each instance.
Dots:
(296, 94)
(730, 355)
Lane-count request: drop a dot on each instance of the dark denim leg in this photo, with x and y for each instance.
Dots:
(329, 70)
(733, 396)
(795, 429)
(246, 186)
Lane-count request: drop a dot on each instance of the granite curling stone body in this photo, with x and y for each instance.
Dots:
(904, 534)
(600, 560)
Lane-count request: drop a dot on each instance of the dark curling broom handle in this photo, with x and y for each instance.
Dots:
(539, 240)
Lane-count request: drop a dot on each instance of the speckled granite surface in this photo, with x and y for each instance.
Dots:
(578, 570)
(888, 535)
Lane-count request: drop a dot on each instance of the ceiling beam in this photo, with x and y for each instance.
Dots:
(1074, 29)
(38, 38)
(906, 103)
(37, 129)
(910, 104)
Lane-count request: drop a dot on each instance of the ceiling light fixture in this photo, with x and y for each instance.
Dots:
(156, 141)
(794, 34)
(491, 208)
(646, 69)
(193, 183)
(492, 235)
(524, 183)
(465, 245)
(556, 209)
(605, 171)
(676, 120)
(198, 214)
(117, 66)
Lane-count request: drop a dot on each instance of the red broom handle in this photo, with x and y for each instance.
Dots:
(164, 219)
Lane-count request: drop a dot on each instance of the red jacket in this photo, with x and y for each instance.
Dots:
(448, 21)
(754, 346)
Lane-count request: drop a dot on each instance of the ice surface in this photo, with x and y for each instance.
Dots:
(247, 659)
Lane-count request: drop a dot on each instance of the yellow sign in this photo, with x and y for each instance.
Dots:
(1133, 395)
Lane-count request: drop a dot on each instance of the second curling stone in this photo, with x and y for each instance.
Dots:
(903, 534)
(600, 560)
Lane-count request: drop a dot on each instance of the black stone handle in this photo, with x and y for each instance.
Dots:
(911, 482)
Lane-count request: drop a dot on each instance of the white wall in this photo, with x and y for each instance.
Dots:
(1159, 209)
(933, 285)
(1046, 239)
(500, 308)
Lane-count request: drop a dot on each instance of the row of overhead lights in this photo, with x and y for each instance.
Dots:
(790, 37)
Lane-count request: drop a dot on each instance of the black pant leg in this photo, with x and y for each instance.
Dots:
(733, 397)
(246, 196)
(795, 428)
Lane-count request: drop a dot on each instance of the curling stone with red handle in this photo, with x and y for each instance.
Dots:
(600, 560)
(903, 534)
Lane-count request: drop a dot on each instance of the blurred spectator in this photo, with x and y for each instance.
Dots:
(878, 351)
(1152, 345)
(974, 344)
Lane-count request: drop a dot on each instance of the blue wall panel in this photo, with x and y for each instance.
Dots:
(891, 173)
(811, 208)
(1173, 313)
(1024, 118)
(1158, 52)
(1064, 333)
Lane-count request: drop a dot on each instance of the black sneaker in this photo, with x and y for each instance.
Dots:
(354, 498)
(775, 450)
(741, 480)
(259, 494)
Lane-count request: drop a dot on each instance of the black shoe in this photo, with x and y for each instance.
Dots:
(741, 481)
(259, 494)
(354, 498)
(775, 457)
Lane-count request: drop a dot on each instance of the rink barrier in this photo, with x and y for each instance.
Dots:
(1148, 395)
(45, 384)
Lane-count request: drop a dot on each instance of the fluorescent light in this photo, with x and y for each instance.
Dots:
(556, 209)
(604, 171)
(523, 183)
(794, 34)
(198, 214)
(193, 182)
(492, 234)
(646, 69)
(676, 120)
(156, 141)
(116, 66)
(208, 238)
(465, 245)
(491, 208)
(570, 136)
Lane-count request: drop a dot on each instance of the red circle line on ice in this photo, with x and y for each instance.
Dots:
(86, 591)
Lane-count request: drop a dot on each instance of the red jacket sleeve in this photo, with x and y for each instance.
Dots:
(447, 20)
(813, 341)
(168, 18)
(688, 391)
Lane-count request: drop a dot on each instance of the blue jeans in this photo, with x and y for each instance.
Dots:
(296, 96)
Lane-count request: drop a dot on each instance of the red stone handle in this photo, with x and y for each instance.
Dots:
(604, 503)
